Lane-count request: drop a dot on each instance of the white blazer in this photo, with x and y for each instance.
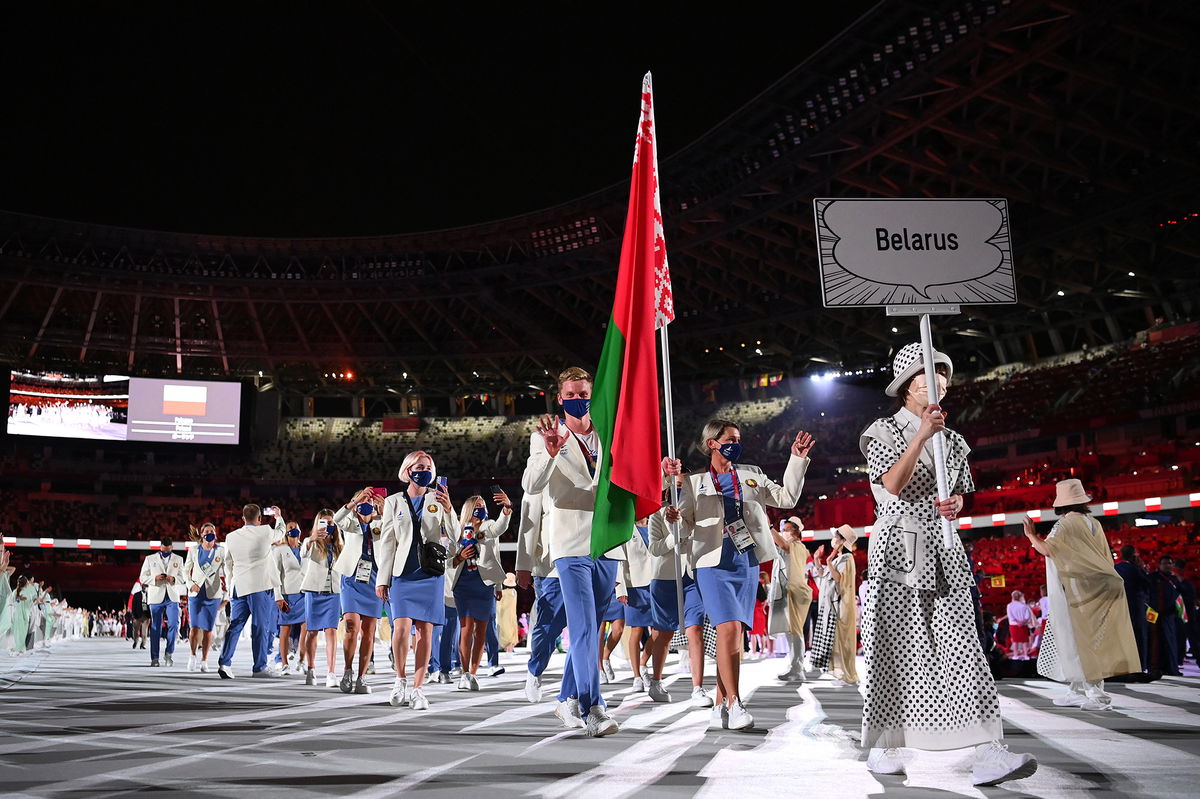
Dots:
(248, 558)
(565, 482)
(195, 575)
(662, 546)
(639, 567)
(288, 572)
(397, 533)
(702, 509)
(157, 592)
(487, 544)
(533, 553)
(317, 573)
(352, 541)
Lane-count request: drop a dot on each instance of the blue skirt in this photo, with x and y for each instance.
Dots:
(202, 611)
(729, 588)
(360, 598)
(665, 605)
(321, 611)
(639, 610)
(473, 598)
(611, 609)
(418, 596)
(295, 612)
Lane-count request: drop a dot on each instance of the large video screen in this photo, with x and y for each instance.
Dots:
(120, 408)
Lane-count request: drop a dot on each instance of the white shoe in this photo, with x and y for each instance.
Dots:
(1070, 699)
(417, 700)
(496, 672)
(600, 723)
(474, 683)
(700, 698)
(361, 687)
(607, 671)
(568, 714)
(639, 685)
(309, 677)
(533, 688)
(738, 717)
(1097, 704)
(371, 667)
(346, 684)
(191, 663)
(270, 672)
(285, 670)
(331, 680)
(719, 718)
(399, 692)
(657, 692)
(168, 660)
(994, 764)
(225, 672)
(204, 667)
(456, 674)
(464, 682)
(885, 761)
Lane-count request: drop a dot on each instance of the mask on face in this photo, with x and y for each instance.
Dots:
(366, 508)
(210, 537)
(165, 555)
(480, 513)
(422, 477)
(578, 408)
(919, 391)
(294, 532)
(732, 451)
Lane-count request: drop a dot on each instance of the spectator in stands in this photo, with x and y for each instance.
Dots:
(1088, 637)
(1190, 625)
(1163, 605)
(1020, 622)
(1137, 588)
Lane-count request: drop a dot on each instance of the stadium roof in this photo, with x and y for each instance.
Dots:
(1085, 116)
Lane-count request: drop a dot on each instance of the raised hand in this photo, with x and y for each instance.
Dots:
(548, 429)
(501, 498)
(803, 443)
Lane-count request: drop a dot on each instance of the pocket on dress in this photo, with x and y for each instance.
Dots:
(900, 554)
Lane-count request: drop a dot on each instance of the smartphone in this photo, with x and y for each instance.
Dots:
(381, 493)
(442, 483)
(268, 512)
(496, 489)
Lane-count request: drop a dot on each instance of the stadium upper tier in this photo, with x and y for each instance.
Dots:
(932, 99)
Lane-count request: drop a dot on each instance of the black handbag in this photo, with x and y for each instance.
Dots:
(431, 556)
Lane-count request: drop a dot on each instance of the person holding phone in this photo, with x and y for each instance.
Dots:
(204, 573)
(358, 567)
(723, 514)
(163, 579)
(288, 562)
(320, 585)
(474, 576)
(251, 586)
(412, 565)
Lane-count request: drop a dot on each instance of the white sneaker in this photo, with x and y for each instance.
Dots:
(268, 673)
(607, 671)
(204, 667)
(191, 663)
(657, 692)
(994, 764)
(225, 672)
(474, 683)
(417, 700)
(600, 723)
(331, 680)
(639, 685)
(533, 688)
(346, 684)
(1096, 704)
(361, 687)
(399, 692)
(371, 667)
(885, 761)
(1070, 699)
(456, 674)
(309, 677)
(719, 718)
(464, 682)
(568, 714)
(700, 698)
(285, 670)
(168, 660)
(496, 672)
(738, 717)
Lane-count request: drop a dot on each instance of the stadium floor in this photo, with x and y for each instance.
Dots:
(91, 718)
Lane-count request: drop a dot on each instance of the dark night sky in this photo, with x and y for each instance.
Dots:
(361, 117)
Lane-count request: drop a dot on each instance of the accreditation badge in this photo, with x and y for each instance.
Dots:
(739, 534)
(1151, 615)
(362, 574)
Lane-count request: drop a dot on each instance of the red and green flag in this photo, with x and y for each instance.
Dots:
(625, 396)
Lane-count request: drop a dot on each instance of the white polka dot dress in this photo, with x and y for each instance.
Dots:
(927, 682)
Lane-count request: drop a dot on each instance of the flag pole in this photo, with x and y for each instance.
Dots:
(669, 412)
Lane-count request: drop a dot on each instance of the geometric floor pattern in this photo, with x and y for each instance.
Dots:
(92, 719)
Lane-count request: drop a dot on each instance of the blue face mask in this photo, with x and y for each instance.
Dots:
(578, 408)
(294, 532)
(480, 513)
(330, 530)
(210, 537)
(732, 452)
(366, 508)
(423, 478)
(165, 555)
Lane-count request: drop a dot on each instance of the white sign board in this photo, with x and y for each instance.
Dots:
(893, 252)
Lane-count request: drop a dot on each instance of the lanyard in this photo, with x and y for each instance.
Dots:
(737, 487)
(367, 545)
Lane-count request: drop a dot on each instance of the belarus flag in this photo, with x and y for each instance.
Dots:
(625, 401)
(184, 400)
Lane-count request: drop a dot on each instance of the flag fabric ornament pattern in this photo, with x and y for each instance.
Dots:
(625, 398)
(184, 400)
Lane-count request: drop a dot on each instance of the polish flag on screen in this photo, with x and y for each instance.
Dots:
(184, 400)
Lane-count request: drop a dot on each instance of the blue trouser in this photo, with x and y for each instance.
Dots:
(262, 611)
(445, 654)
(550, 617)
(586, 584)
(491, 642)
(171, 611)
